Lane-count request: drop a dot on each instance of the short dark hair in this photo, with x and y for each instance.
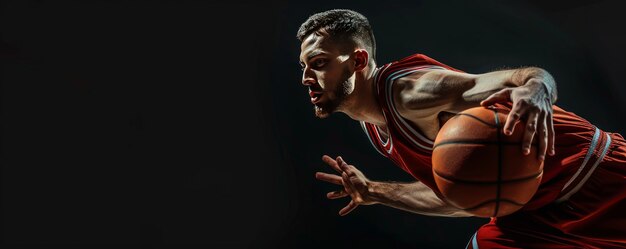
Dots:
(343, 26)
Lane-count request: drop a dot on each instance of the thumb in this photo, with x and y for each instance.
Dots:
(503, 95)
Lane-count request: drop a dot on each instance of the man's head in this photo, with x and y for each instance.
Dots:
(335, 44)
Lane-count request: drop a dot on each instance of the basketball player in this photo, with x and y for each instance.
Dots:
(581, 202)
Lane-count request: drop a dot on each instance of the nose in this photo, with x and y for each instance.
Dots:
(307, 79)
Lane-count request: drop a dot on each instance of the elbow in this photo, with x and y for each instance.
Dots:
(462, 213)
(451, 214)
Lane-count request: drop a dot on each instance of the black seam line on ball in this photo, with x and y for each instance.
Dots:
(477, 182)
(478, 119)
(497, 201)
(483, 142)
(499, 184)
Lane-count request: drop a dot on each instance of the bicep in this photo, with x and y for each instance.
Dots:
(434, 91)
(447, 90)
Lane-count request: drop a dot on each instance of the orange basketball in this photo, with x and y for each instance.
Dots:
(481, 170)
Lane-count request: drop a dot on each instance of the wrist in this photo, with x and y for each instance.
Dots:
(548, 89)
(551, 92)
(375, 192)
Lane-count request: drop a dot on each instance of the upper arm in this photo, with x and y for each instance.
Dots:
(433, 91)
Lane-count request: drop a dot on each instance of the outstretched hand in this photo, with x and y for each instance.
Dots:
(532, 103)
(354, 183)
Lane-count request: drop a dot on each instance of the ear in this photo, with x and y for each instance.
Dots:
(361, 59)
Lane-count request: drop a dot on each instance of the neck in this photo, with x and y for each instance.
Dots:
(363, 104)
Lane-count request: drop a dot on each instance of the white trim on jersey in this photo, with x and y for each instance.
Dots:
(473, 242)
(377, 76)
(370, 138)
(591, 149)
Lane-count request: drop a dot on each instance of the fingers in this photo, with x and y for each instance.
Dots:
(337, 194)
(347, 209)
(512, 118)
(531, 127)
(348, 186)
(503, 95)
(328, 178)
(342, 164)
(333, 164)
(346, 179)
(543, 136)
(345, 168)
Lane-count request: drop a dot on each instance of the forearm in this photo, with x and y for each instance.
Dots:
(494, 81)
(413, 197)
(458, 91)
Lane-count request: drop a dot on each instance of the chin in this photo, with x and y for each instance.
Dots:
(321, 113)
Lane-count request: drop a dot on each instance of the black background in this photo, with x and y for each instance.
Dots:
(176, 124)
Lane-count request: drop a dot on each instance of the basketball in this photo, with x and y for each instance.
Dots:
(481, 170)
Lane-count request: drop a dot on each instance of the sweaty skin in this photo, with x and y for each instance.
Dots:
(343, 82)
(422, 97)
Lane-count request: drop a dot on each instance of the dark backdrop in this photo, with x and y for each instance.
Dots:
(145, 124)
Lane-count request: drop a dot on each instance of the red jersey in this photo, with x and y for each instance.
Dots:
(579, 145)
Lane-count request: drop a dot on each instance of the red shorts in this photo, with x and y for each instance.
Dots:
(592, 216)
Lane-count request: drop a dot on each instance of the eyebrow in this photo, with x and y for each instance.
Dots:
(312, 54)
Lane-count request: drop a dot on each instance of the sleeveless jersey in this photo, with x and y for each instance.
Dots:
(579, 145)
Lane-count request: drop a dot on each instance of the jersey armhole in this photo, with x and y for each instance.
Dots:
(370, 138)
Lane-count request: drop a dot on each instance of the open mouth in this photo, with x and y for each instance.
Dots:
(315, 96)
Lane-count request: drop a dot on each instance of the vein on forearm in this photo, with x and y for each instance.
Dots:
(413, 197)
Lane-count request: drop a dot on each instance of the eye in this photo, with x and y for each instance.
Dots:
(320, 63)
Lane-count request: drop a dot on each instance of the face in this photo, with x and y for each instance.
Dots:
(327, 74)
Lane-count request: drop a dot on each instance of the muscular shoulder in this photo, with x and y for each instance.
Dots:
(405, 88)
(416, 93)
